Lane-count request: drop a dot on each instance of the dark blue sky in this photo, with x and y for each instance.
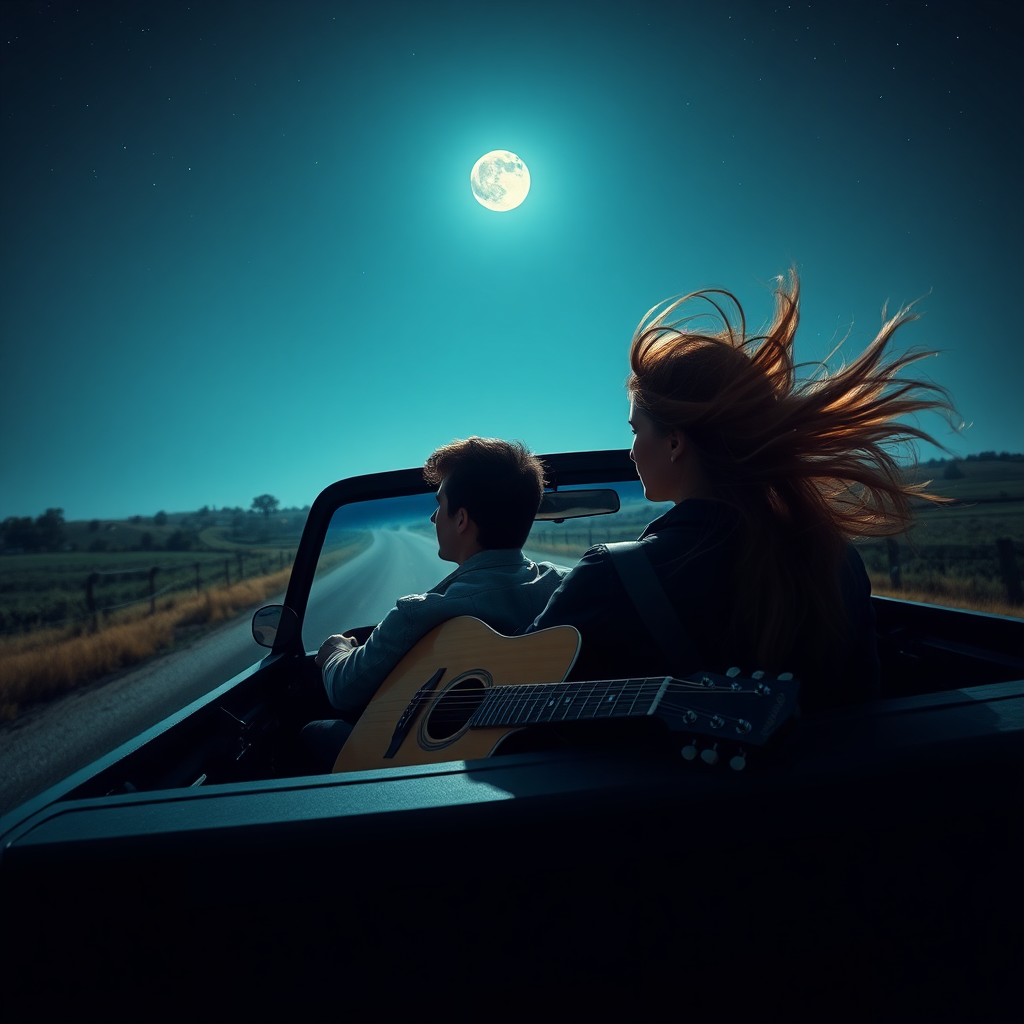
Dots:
(240, 252)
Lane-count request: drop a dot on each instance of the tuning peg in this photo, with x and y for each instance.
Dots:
(716, 721)
(689, 752)
(743, 726)
(785, 677)
(710, 755)
(759, 674)
(738, 761)
(733, 672)
(763, 690)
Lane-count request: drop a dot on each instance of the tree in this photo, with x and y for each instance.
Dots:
(160, 519)
(50, 528)
(952, 472)
(265, 503)
(94, 525)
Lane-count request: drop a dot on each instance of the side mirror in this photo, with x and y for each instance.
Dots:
(274, 626)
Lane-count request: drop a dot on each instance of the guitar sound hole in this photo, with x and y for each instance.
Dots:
(454, 707)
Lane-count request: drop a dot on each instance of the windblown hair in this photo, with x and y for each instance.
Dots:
(498, 483)
(806, 465)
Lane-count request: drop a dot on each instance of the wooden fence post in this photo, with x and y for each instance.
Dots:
(895, 573)
(197, 578)
(152, 589)
(1009, 570)
(90, 600)
(227, 572)
(241, 570)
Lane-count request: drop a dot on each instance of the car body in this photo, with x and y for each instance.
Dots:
(866, 864)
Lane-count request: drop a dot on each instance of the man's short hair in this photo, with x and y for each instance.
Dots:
(498, 483)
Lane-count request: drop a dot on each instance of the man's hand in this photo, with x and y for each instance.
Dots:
(345, 644)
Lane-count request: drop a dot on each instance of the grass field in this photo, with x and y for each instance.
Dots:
(992, 480)
(44, 662)
(46, 590)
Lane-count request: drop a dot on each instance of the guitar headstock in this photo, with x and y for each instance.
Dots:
(736, 711)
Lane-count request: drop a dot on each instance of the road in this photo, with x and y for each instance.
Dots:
(47, 743)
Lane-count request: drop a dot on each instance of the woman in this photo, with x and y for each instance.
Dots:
(770, 478)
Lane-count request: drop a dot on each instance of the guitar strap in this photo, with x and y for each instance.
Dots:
(649, 598)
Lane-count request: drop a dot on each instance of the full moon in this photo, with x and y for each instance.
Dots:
(500, 180)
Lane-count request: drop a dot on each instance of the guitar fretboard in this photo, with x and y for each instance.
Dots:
(565, 702)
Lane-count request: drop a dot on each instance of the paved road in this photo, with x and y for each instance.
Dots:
(48, 743)
(399, 562)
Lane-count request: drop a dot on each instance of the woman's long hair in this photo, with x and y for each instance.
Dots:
(806, 465)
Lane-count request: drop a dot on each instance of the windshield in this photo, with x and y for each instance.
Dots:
(378, 551)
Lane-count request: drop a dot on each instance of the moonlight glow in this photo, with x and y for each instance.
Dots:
(500, 180)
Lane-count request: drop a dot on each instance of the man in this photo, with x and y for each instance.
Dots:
(488, 492)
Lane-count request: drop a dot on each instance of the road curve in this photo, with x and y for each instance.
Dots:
(47, 743)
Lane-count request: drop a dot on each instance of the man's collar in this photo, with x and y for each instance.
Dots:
(488, 559)
(491, 557)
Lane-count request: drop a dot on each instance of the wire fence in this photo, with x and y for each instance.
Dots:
(66, 598)
(995, 564)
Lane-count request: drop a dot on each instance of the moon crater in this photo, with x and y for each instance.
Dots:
(500, 180)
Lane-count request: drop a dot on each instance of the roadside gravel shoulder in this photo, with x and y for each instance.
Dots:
(49, 741)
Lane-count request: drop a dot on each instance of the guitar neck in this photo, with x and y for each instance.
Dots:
(569, 702)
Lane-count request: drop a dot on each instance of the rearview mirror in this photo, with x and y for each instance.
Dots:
(559, 505)
(274, 626)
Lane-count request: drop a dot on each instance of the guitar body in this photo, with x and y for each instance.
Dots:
(474, 659)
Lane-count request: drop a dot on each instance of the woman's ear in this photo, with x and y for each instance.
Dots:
(676, 444)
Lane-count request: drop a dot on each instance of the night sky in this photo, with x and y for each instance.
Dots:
(240, 253)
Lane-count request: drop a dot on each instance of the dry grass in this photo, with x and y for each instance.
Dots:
(46, 663)
(952, 592)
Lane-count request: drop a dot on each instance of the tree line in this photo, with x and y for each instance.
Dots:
(980, 457)
(44, 533)
(47, 532)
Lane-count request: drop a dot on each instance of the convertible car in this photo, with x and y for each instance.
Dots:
(493, 850)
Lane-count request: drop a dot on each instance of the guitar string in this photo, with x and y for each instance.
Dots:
(579, 707)
(601, 690)
(508, 693)
(511, 693)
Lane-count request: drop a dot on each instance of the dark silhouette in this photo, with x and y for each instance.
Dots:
(265, 503)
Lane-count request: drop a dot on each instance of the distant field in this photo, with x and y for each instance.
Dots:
(994, 480)
(950, 556)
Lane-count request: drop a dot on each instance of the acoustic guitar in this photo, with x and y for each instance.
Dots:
(464, 688)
